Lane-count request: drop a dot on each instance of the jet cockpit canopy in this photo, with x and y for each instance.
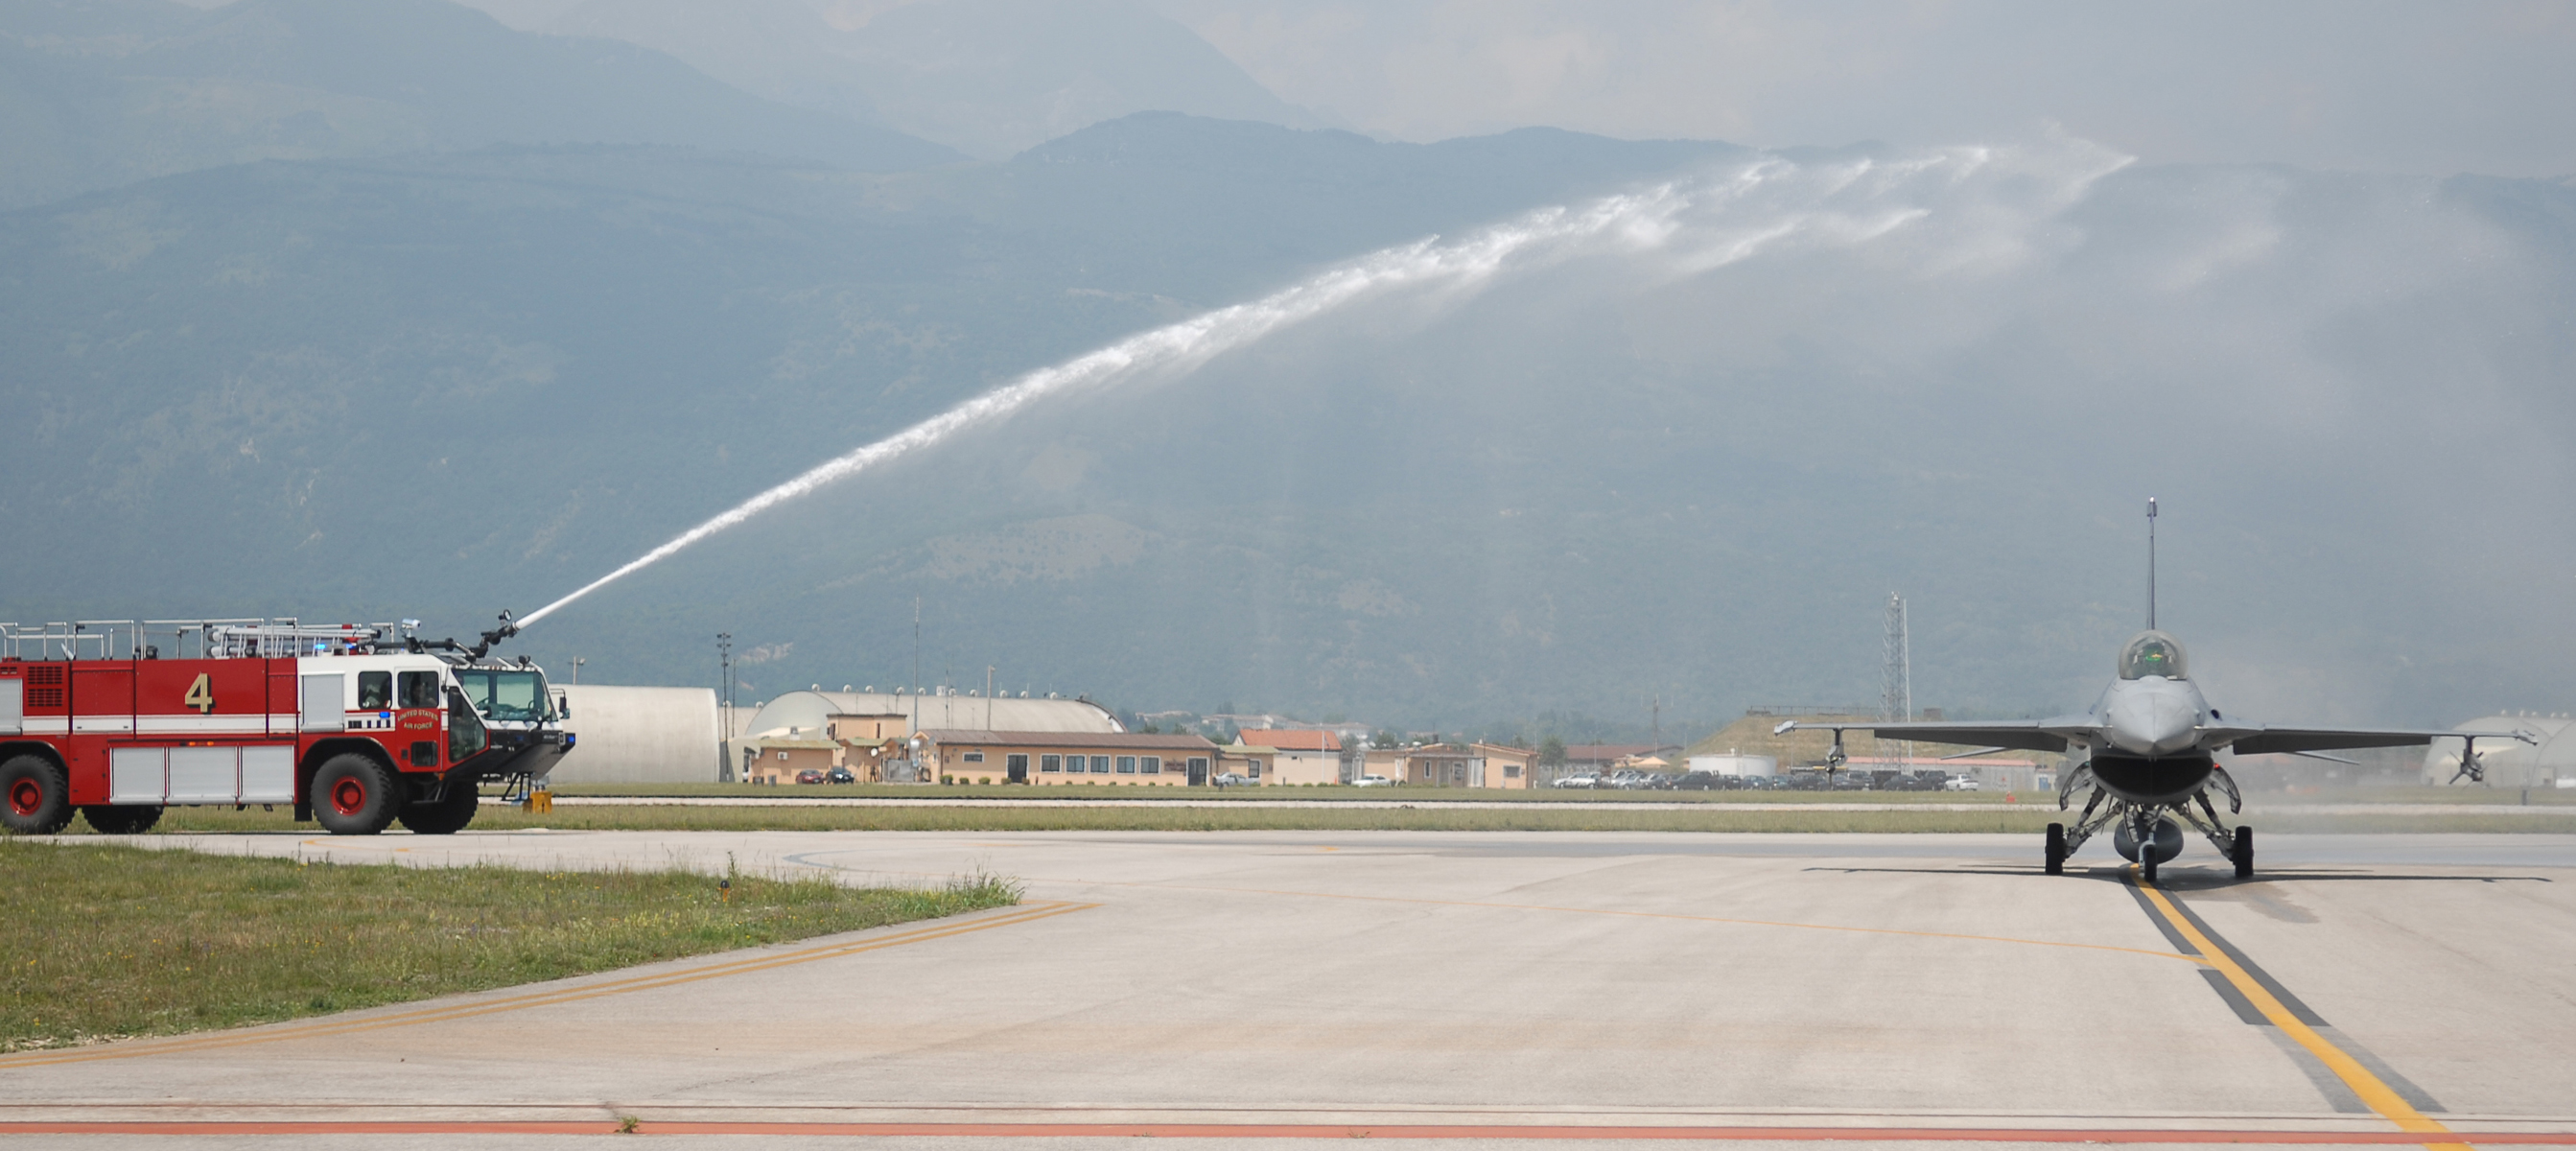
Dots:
(2153, 653)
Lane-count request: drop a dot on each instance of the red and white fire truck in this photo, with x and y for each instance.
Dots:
(355, 725)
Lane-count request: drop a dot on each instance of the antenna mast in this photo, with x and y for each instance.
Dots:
(1896, 682)
(2151, 563)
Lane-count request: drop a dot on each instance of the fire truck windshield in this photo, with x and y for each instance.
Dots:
(507, 696)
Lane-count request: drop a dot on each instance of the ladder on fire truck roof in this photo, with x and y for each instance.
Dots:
(194, 639)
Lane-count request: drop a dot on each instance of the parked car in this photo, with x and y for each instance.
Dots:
(1372, 781)
(1233, 779)
(809, 775)
(1960, 783)
(1699, 781)
(1578, 781)
(840, 775)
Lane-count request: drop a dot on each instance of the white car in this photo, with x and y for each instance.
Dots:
(1959, 783)
(1234, 779)
(1372, 781)
(1578, 781)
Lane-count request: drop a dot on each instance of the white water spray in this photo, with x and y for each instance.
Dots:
(1709, 224)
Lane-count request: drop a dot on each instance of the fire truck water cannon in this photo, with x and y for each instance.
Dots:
(354, 725)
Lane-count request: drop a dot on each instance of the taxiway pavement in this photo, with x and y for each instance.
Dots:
(1253, 985)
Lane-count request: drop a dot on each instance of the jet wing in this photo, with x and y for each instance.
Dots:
(2274, 740)
(2021, 734)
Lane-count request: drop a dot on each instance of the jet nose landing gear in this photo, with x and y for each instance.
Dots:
(2162, 840)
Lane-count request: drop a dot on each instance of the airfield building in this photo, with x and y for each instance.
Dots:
(1250, 761)
(863, 725)
(1055, 758)
(1301, 756)
(640, 735)
(1467, 765)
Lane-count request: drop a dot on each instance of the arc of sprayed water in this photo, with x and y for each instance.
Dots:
(1644, 218)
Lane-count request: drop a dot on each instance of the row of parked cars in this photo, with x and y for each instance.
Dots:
(1875, 780)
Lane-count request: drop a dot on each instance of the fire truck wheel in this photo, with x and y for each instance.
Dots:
(128, 820)
(447, 816)
(35, 796)
(354, 795)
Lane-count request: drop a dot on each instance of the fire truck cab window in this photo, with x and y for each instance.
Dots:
(508, 696)
(418, 689)
(375, 690)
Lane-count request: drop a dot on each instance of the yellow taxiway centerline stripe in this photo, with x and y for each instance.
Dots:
(524, 1002)
(2378, 1095)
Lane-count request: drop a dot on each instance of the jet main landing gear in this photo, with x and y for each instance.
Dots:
(2152, 835)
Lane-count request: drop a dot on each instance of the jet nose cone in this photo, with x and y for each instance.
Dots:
(2154, 724)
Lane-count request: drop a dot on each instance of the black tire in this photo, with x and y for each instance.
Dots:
(447, 815)
(122, 820)
(35, 796)
(2242, 854)
(2057, 849)
(2147, 866)
(354, 795)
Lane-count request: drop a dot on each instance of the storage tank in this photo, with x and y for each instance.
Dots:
(639, 735)
(1732, 763)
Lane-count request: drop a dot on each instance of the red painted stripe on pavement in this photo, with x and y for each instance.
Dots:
(1281, 1131)
(316, 1127)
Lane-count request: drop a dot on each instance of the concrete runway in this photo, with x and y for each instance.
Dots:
(1482, 988)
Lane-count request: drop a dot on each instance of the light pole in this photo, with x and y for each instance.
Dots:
(724, 691)
(724, 675)
(577, 661)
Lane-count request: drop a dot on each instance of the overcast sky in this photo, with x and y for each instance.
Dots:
(2379, 85)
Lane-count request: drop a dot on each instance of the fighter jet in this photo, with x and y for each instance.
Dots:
(2147, 749)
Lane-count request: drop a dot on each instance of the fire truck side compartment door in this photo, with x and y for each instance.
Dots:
(204, 774)
(13, 706)
(268, 773)
(325, 705)
(134, 775)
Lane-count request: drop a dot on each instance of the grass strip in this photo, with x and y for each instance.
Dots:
(1315, 794)
(998, 817)
(2537, 797)
(101, 941)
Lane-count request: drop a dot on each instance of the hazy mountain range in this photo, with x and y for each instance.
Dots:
(366, 310)
(987, 77)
